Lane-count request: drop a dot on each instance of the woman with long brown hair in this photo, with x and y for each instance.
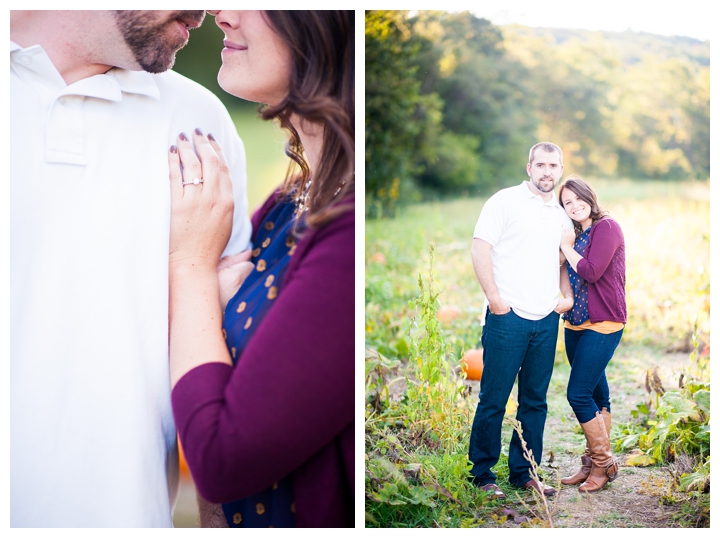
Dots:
(262, 375)
(595, 253)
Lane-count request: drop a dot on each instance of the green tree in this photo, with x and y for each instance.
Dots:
(398, 119)
(662, 125)
(485, 103)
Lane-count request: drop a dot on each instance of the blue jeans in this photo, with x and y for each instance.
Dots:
(589, 352)
(514, 347)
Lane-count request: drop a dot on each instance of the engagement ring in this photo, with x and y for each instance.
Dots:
(194, 181)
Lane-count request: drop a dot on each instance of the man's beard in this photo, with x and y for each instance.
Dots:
(145, 37)
(541, 188)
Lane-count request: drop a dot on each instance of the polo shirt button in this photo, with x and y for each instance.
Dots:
(61, 100)
(25, 60)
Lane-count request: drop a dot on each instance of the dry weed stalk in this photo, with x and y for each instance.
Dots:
(527, 453)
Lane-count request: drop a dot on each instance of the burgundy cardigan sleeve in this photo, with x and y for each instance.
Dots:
(605, 239)
(292, 391)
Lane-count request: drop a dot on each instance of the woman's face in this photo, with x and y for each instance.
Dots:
(257, 63)
(576, 208)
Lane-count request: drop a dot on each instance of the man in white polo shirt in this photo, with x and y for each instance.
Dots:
(92, 437)
(515, 253)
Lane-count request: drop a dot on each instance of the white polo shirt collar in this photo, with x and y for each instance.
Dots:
(110, 85)
(553, 198)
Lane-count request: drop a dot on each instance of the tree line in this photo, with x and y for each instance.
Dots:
(453, 103)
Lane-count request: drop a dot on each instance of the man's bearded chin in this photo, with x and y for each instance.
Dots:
(541, 188)
(146, 39)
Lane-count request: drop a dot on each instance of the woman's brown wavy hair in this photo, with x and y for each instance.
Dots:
(322, 91)
(585, 192)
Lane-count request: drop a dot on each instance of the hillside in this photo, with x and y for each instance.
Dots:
(632, 45)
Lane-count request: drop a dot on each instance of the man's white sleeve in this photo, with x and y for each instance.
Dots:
(490, 224)
(234, 151)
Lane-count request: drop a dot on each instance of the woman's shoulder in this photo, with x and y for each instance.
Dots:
(608, 224)
(342, 225)
(608, 229)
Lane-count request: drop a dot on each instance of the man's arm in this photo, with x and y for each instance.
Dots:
(567, 300)
(482, 263)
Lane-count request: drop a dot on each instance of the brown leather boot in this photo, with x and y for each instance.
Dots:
(582, 473)
(603, 466)
(607, 419)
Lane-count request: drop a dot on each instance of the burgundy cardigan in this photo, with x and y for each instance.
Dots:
(287, 407)
(604, 269)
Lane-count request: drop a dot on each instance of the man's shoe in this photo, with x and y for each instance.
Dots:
(494, 491)
(539, 487)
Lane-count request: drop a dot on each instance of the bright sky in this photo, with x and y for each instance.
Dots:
(692, 18)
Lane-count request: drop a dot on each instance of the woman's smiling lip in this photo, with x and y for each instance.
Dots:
(229, 45)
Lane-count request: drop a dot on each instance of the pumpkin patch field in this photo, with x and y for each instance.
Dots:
(423, 368)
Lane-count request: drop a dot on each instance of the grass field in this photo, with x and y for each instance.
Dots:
(666, 228)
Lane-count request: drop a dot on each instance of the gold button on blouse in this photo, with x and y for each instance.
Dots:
(261, 265)
(237, 518)
(266, 242)
(260, 508)
(269, 280)
(248, 323)
(241, 307)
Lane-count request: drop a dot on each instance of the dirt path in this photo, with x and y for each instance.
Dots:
(634, 498)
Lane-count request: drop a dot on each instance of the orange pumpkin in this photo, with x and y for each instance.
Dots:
(472, 364)
(378, 257)
(448, 313)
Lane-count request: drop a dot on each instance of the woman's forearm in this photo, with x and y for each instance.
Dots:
(291, 392)
(195, 319)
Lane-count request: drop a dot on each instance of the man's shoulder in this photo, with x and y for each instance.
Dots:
(174, 86)
(510, 193)
(192, 105)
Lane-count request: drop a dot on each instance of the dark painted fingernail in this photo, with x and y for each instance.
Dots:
(173, 149)
(198, 132)
(183, 136)
(211, 137)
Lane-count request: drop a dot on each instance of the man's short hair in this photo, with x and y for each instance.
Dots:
(548, 147)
